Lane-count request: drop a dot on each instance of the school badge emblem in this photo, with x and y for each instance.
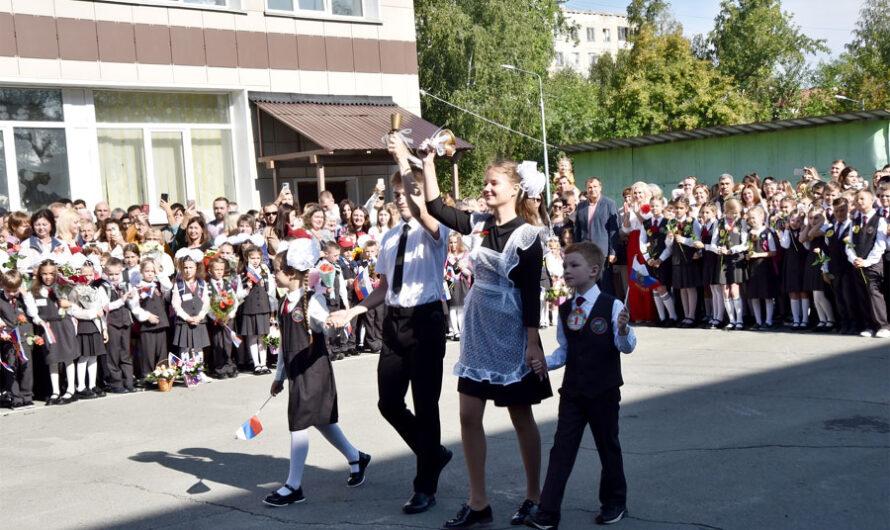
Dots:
(297, 315)
(856, 229)
(576, 319)
(830, 233)
(870, 230)
(598, 325)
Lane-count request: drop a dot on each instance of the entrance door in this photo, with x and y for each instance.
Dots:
(307, 191)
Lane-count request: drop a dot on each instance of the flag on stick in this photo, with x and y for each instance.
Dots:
(252, 427)
(639, 273)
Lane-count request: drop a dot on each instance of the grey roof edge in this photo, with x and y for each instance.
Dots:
(726, 130)
(320, 99)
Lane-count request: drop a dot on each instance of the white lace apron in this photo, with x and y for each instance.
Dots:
(492, 346)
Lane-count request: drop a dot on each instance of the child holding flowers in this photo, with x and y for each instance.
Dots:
(761, 284)
(190, 303)
(558, 291)
(16, 376)
(60, 342)
(458, 275)
(154, 295)
(813, 282)
(223, 305)
(685, 259)
(304, 363)
(731, 242)
(653, 245)
(255, 313)
(708, 226)
(87, 308)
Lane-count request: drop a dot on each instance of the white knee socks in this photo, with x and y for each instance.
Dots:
(299, 449)
(804, 311)
(770, 311)
(54, 377)
(737, 304)
(730, 309)
(795, 310)
(755, 308)
(823, 307)
(257, 354)
(334, 435)
(669, 304)
(87, 367)
(659, 304)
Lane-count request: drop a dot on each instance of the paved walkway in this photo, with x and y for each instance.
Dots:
(720, 430)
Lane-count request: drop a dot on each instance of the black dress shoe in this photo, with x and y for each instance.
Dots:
(358, 478)
(526, 509)
(611, 514)
(118, 390)
(97, 392)
(469, 518)
(84, 394)
(53, 400)
(445, 458)
(294, 497)
(67, 398)
(542, 521)
(418, 503)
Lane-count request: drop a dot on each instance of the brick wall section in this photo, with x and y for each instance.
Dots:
(40, 37)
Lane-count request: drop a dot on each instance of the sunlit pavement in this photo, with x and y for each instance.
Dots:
(719, 429)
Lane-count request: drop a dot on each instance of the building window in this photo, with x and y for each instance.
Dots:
(178, 144)
(591, 59)
(607, 35)
(225, 4)
(576, 58)
(33, 148)
(560, 59)
(591, 34)
(344, 8)
(622, 33)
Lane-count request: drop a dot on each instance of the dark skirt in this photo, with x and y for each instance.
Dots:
(257, 324)
(812, 275)
(91, 344)
(709, 272)
(186, 336)
(67, 347)
(459, 291)
(761, 280)
(735, 269)
(687, 274)
(665, 274)
(529, 390)
(312, 391)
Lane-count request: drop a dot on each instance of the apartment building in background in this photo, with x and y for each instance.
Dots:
(594, 34)
(123, 100)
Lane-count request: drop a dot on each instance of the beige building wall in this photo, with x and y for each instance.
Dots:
(596, 34)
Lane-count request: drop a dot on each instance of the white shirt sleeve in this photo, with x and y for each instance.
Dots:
(624, 343)
(557, 359)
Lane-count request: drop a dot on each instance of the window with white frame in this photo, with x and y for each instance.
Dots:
(560, 59)
(607, 35)
(152, 143)
(337, 8)
(33, 148)
(591, 34)
(576, 58)
(591, 59)
(623, 33)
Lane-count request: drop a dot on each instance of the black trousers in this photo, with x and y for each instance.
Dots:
(607, 281)
(372, 323)
(413, 349)
(576, 413)
(870, 297)
(119, 362)
(153, 348)
(19, 383)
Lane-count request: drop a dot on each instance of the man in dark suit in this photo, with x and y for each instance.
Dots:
(596, 219)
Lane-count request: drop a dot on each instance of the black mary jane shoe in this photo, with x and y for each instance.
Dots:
(358, 478)
(53, 400)
(294, 497)
(469, 518)
(84, 394)
(418, 503)
(526, 509)
(67, 398)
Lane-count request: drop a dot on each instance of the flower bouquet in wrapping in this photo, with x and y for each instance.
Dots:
(221, 306)
(10, 256)
(327, 273)
(558, 292)
(273, 340)
(191, 371)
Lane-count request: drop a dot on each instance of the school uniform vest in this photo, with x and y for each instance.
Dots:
(837, 250)
(193, 305)
(9, 312)
(157, 304)
(656, 236)
(295, 344)
(50, 311)
(681, 251)
(215, 291)
(257, 300)
(732, 238)
(593, 362)
(120, 317)
(868, 234)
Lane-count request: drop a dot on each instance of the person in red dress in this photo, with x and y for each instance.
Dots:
(639, 300)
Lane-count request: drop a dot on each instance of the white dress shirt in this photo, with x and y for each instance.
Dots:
(423, 273)
(877, 250)
(624, 343)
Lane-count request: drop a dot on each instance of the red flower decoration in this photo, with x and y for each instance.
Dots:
(38, 341)
(645, 209)
(21, 319)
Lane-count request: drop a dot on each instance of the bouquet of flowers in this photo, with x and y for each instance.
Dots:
(222, 305)
(10, 255)
(273, 340)
(559, 292)
(163, 373)
(191, 371)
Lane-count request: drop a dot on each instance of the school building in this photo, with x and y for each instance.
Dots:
(123, 100)
(773, 148)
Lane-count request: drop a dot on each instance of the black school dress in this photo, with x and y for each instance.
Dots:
(66, 348)
(812, 275)
(687, 269)
(254, 312)
(186, 336)
(793, 263)
(89, 335)
(459, 285)
(656, 233)
(709, 261)
(761, 271)
(735, 267)
(222, 348)
(152, 337)
(312, 392)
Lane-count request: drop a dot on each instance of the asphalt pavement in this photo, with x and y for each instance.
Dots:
(719, 429)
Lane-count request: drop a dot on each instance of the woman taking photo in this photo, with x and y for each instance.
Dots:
(497, 348)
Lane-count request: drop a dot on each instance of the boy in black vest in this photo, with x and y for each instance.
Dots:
(868, 241)
(840, 270)
(16, 377)
(592, 334)
(122, 299)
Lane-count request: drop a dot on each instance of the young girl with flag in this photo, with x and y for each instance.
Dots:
(61, 345)
(255, 314)
(190, 303)
(15, 385)
(304, 362)
(154, 294)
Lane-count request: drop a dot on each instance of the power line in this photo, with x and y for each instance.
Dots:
(483, 118)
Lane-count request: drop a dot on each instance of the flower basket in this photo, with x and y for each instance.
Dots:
(165, 385)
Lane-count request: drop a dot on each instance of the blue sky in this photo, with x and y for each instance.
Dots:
(832, 20)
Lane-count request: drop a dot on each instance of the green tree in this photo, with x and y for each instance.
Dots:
(461, 47)
(758, 45)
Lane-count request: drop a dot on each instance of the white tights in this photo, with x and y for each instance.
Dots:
(299, 450)
(456, 316)
(257, 352)
(717, 301)
(823, 307)
(54, 377)
(85, 365)
(689, 297)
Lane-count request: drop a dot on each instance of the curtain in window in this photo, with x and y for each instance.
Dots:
(212, 165)
(122, 166)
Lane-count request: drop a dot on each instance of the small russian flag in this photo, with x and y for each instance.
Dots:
(7, 366)
(362, 285)
(640, 275)
(253, 275)
(50, 336)
(17, 344)
(250, 429)
(234, 336)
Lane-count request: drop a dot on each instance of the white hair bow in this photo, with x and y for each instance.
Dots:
(194, 254)
(533, 181)
(302, 254)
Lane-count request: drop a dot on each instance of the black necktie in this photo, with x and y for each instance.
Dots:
(400, 260)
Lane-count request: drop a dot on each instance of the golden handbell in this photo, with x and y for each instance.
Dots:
(396, 122)
(446, 140)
